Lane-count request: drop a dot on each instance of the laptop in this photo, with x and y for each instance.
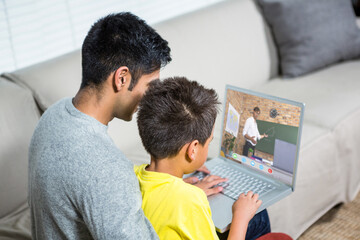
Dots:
(269, 168)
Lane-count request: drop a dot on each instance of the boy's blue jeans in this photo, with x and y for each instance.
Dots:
(259, 225)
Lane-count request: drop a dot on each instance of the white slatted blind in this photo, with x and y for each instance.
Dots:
(6, 50)
(32, 31)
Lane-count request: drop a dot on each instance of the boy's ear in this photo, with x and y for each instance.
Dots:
(192, 150)
(120, 78)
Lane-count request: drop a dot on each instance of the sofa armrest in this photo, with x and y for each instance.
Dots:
(19, 116)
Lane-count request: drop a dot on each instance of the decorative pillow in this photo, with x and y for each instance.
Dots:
(312, 34)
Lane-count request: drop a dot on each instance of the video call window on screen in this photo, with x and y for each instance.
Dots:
(277, 123)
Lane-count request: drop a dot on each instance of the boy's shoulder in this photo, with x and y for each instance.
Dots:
(176, 187)
(194, 194)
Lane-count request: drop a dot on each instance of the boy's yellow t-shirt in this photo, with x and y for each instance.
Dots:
(177, 210)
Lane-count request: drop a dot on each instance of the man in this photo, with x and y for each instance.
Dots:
(251, 132)
(80, 184)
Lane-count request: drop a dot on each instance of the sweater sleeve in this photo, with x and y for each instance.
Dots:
(111, 206)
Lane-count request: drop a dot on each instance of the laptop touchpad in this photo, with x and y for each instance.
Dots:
(221, 216)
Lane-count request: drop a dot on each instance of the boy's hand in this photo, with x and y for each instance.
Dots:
(207, 184)
(246, 205)
(193, 180)
(243, 210)
(203, 169)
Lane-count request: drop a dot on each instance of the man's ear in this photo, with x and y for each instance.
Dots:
(121, 77)
(192, 150)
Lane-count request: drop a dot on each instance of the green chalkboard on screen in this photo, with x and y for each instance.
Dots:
(275, 131)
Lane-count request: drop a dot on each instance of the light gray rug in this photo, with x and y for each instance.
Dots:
(341, 222)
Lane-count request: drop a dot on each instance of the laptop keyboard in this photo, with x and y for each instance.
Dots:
(238, 182)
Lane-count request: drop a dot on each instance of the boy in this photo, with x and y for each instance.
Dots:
(176, 123)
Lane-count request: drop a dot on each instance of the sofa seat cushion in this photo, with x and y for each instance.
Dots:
(328, 168)
(18, 118)
(330, 94)
(295, 213)
(16, 225)
(328, 162)
(347, 136)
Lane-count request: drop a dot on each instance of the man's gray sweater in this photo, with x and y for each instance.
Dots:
(80, 184)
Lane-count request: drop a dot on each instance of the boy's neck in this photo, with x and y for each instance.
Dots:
(170, 166)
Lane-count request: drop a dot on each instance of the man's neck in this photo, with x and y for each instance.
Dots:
(90, 102)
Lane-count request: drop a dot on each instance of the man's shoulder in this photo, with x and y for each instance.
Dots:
(57, 106)
(101, 158)
(52, 116)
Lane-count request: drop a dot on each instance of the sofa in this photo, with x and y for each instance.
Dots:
(226, 43)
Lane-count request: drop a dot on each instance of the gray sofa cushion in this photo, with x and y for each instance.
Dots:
(312, 34)
(18, 118)
(16, 225)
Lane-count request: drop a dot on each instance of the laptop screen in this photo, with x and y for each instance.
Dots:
(262, 132)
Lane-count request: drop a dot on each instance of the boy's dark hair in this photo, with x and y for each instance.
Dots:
(173, 113)
(117, 40)
(256, 109)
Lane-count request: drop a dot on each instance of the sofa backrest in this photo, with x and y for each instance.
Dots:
(227, 43)
(51, 80)
(18, 118)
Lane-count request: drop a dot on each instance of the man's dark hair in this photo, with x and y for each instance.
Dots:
(173, 113)
(256, 109)
(121, 39)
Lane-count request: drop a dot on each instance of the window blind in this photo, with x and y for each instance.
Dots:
(37, 30)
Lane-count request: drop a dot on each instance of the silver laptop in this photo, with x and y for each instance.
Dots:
(269, 168)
